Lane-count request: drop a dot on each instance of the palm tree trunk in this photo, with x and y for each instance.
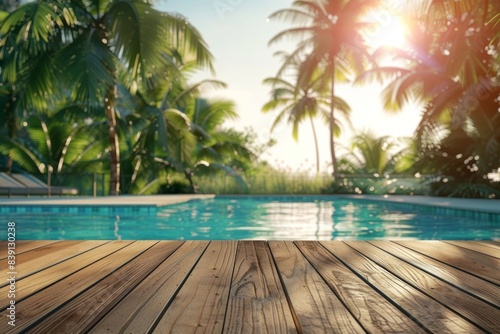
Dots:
(189, 177)
(114, 182)
(315, 144)
(11, 127)
(332, 121)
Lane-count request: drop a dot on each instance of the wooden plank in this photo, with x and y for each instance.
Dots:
(135, 287)
(139, 310)
(495, 244)
(477, 247)
(82, 312)
(257, 302)
(43, 257)
(374, 312)
(480, 265)
(22, 258)
(418, 305)
(483, 315)
(200, 305)
(29, 285)
(41, 304)
(317, 309)
(484, 290)
(22, 246)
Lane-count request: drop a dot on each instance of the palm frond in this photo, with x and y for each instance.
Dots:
(188, 39)
(90, 64)
(137, 32)
(292, 33)
(199, 88)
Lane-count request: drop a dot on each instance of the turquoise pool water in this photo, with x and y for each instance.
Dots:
(266, 217)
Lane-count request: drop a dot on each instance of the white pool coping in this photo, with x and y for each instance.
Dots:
(125, 200)
(162, 200)
(473, 204)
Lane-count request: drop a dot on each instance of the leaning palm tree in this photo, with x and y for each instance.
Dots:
(85, 44)
(303, 99)
(330, 35)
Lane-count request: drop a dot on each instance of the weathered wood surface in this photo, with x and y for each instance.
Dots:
(254, 286)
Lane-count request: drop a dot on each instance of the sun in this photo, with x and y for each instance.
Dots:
(386, 30)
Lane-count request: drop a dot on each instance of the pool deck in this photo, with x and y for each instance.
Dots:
(162, 200)
(252, 286)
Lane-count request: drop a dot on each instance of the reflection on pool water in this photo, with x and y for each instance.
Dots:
(267, 217)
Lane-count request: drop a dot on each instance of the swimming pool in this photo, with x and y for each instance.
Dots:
(259, 217)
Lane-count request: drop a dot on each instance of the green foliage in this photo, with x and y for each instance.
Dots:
(272, 182)
(52, 50)
(464, 189)
(370, 154)
(375, 184)
(50, 142)
(176, 185)
(451, 66)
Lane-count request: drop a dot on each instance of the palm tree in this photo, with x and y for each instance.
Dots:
(173, 129)
(89, 43)
(302, 99)
(452, 69)
(331, 33)
(217, 148)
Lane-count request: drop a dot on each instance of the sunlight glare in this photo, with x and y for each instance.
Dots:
(390, 32)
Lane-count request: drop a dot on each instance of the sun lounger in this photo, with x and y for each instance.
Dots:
(9, 186)
(26, 184)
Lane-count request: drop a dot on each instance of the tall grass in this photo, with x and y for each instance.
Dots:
(264, 184)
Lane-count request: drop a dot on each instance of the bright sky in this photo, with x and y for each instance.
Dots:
(238, 33)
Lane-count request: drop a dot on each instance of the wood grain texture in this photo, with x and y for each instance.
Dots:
(37, 259)
(480, 248)
(82, 312)
(257, 302)
(139, 311)
(481, 314)
(416, 304)
(317, 309)
(52, 297)
(480, 288)
(22, 246)
(42, 279)
(200, 305)
(477, 264)
(373, 311)
(494, 244)
(39, 252)
(256, 286)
